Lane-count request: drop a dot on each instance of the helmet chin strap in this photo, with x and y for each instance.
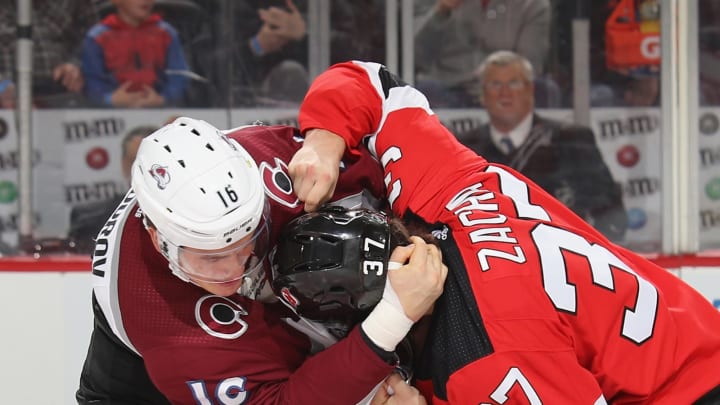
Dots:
(255, 285)
(263, 294)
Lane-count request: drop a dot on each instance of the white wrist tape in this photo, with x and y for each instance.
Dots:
(387, 324)
(394, 265)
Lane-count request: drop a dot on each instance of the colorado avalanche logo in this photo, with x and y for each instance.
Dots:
(161, 175)
(220, 317)
(288, 297)
(277, 183)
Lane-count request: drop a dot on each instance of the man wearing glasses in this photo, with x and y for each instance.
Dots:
(562, 158)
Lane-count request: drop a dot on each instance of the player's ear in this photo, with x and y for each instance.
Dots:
(154, 237)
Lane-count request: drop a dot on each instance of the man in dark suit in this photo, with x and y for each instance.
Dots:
(87, 219)
(562, 158)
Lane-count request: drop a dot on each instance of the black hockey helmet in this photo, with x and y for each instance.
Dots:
(331, 265)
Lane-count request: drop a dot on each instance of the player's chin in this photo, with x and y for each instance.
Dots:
(223, 289)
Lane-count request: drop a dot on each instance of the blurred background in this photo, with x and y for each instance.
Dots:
(87, 73)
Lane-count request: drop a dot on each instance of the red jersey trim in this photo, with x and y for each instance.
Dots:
(49, 263)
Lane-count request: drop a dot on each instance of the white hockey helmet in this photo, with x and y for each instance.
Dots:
(203, 194)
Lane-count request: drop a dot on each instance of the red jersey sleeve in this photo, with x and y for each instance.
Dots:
(362, 101)
(343, 103)
(538, 306)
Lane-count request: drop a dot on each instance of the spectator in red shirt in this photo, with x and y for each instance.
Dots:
(133, 59)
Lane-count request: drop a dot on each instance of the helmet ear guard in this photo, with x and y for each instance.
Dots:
(331, 265)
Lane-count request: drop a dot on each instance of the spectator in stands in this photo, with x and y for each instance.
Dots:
(452, 37)
(622, 74)
(560, 157)
(57, 30)
(87, 219)
(197, 23)
(270, 56)
(134, 59)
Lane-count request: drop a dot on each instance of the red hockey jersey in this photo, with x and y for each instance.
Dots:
(538, 306)
(204, 349)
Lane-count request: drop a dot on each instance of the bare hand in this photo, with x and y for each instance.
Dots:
(147, 97)
(123, 97)
(314, 169)
(150, 98)
(279, 27)
(402, 393)
(287, 24)
(420, 282)
(269, 41)
(70, 77)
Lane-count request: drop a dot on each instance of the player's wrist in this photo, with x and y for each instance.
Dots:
(386, 325)
(327, 143)
(390, 358)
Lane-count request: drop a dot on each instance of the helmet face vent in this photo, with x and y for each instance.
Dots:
(328, 239)
(208, 146)
(230, 175)
(182, 163)
(195, 131)
(203, 190)
(307, 239)
(167, 148)
(303, 238)
(315, 266)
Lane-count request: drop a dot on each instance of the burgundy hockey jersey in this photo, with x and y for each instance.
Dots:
(538, 307)
(204, 349)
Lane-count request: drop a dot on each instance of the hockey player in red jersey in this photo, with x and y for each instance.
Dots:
(538, 307)
(180, 291)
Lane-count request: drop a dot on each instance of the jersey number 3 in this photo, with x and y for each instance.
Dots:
(638, 321)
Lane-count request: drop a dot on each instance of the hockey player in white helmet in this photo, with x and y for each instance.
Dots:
(183, 309)
(205, 207)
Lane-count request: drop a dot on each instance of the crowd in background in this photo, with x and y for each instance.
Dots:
(256, 53)
(189, 53)
(151, 53)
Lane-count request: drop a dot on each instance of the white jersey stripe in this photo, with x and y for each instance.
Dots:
(105, 264)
